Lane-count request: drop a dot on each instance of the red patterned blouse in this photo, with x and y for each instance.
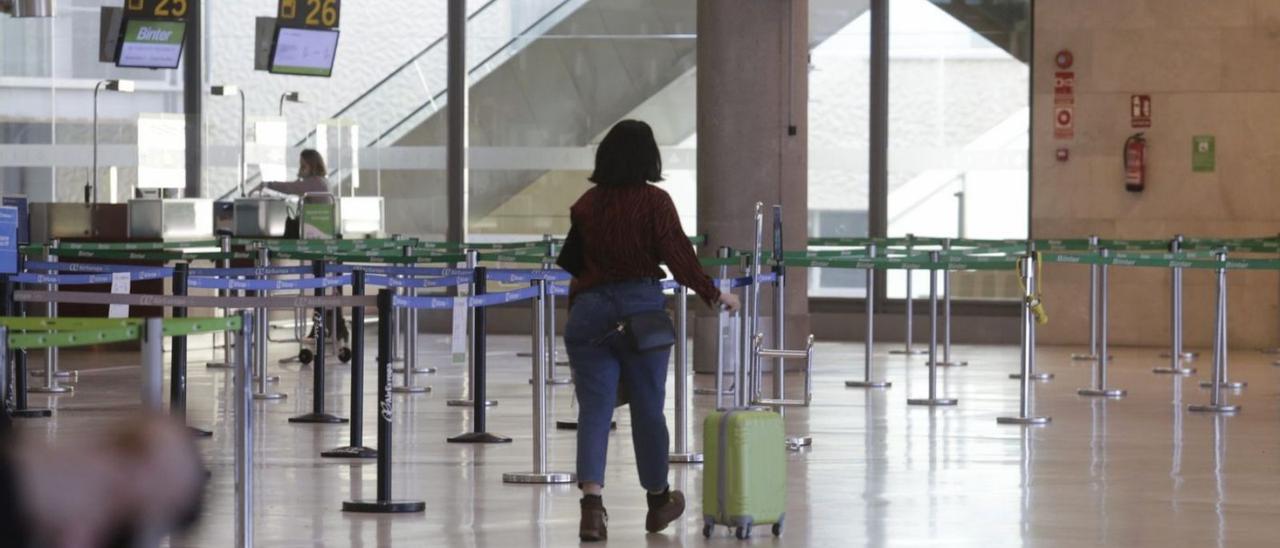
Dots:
(626, 232)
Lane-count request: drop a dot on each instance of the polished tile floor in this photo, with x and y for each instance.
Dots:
(1139, 471)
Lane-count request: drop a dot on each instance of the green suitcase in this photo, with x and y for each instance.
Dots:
(745, 480)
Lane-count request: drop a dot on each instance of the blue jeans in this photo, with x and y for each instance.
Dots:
(599, 361)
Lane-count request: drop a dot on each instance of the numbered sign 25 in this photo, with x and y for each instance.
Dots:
(158, 9)
(310, 13)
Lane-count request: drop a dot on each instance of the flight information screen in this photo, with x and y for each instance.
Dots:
(149, 43)
(304, 52)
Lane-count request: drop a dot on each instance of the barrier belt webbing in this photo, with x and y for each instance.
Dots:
(196, 301)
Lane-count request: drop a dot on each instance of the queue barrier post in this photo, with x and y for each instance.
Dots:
(224, 245)
(355, 448)
(553, 358)
(682, 452)
(1099, 388)
(478, 433)
(410, 334)
(383, 503)
(1028, 349)
(178, 356)
(153, 364)
(6, 395)
(21, 408)
(539, 357)
(244, 429)
(261, 339)
(1220, 350)
(1219, 377)
(1030, 368)
(51, 373)
(909, 349)
(473, 259)
(317, 414)
(725, 338)
(868, 350)
(1176, 354)
(946, 313)
(933, 400)
(1094, 273)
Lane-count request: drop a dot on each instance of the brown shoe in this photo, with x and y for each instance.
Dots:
(595, 520)
(664, 508)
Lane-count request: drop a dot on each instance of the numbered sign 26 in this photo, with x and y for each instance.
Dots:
(310, 13)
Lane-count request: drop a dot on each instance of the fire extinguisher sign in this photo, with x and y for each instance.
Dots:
(1140, 111)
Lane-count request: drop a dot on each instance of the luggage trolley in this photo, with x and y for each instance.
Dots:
(317, 219)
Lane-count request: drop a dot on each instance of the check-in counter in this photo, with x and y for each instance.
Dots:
(170, 220)
(259, 217)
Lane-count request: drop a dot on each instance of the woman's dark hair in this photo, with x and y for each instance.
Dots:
(313, 162)
(628, 155)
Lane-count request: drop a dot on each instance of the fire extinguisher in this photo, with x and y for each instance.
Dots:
(1135, 163)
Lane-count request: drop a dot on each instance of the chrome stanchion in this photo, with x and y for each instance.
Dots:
(473, 260)
(1176, 354)
(260, 339)
(384, 504)
(244, 430)
(153, 364)
(682, 452)
(51, 373)
(1093, 307)
(410, 324)
(411, 347)
(933, 400)
(1030, 368)
(747, 386)
(552, 353)
(1219, 379)
(908, 349)
(1224, 380)
(224, 244)
(868, 352)
(539, 359)
(1025, 416)
(724, 339)
(1099, 388)
(946, 314)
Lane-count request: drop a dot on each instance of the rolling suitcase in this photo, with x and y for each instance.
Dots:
(745, 480)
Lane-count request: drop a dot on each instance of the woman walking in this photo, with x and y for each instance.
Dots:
(622, 229)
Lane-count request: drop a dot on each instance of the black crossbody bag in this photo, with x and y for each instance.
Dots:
(644, 331)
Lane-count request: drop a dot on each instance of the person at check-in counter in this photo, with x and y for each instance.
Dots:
(311, 181)
(311, 177)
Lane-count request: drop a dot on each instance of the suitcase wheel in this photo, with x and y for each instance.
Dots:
(777, 529)
(344, 354)
(743, 533)
(305, 356)
(707, 529)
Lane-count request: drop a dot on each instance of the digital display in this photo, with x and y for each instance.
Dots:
(150, 43)
(304, 52)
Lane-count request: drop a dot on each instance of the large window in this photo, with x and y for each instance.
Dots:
(958, 128)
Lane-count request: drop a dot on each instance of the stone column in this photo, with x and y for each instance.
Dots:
(753, 95)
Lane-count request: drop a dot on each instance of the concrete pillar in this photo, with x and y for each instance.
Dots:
(753, 96)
